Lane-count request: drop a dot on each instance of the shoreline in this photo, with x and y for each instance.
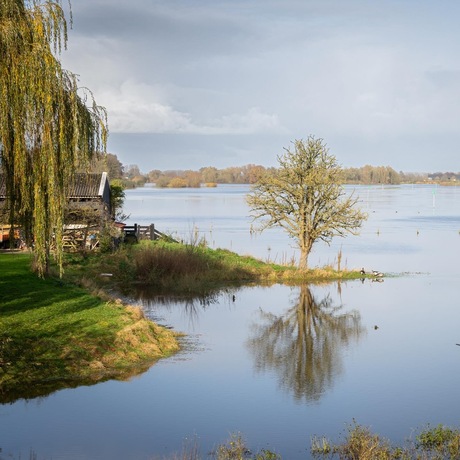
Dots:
(56, 335)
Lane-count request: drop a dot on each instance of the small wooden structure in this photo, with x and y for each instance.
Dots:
(89, 197)
(134, 233)
(88, 214)
(88, 210)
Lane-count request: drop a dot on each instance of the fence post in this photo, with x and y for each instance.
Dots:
(152, 231)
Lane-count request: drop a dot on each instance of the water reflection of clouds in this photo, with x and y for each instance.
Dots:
(436, 220)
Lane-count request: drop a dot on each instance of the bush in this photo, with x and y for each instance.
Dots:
(440, 443)
(177, 182)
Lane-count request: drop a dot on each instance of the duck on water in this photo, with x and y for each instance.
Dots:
(375, 273)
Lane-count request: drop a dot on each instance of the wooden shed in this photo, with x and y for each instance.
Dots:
(89, 197)
(88, 209)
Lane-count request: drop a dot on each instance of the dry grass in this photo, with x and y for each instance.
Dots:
(194, 269)
(439, 443)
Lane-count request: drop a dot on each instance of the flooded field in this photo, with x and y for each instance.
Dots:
(278, 364)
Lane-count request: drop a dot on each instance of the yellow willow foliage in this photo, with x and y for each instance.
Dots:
(47, 128)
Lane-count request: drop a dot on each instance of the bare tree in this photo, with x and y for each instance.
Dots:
(305, 197)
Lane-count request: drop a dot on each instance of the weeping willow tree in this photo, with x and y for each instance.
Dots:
(48, 125)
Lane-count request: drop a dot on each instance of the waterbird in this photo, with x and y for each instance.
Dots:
(377, 273)
(362, 271)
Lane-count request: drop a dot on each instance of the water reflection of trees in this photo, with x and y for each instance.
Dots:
(304, 345)
(191, 306)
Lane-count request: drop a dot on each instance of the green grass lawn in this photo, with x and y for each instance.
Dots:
(53, 332)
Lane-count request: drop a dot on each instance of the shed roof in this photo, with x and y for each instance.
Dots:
(84, 185)
(87, 185)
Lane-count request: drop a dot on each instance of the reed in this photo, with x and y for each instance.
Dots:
(194, 268)
(361, 444)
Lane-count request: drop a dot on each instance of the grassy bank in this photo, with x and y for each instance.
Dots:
(54, 334)
(58, 332)
(186, 269)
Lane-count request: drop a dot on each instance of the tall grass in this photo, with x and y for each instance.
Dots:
(176, 269)
(235, 448)
(439, 443)
(181, 268)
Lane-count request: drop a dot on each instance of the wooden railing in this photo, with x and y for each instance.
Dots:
(144, 232)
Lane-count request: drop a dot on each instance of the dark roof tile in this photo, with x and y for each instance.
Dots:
(83, 186)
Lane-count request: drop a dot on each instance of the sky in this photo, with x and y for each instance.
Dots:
(195, 83)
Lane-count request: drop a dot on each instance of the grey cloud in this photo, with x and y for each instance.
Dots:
(355, 72)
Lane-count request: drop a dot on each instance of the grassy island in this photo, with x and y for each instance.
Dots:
(191, 269)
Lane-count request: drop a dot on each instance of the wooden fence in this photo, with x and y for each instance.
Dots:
(143, 232)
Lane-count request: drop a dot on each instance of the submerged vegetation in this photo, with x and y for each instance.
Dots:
(438, 443)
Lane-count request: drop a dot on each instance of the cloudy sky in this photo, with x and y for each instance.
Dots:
(193, 83)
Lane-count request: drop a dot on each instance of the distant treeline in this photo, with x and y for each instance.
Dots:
(130, 175)
(249, 174)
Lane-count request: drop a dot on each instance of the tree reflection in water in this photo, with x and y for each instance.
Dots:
(304, 345)
(191, 306)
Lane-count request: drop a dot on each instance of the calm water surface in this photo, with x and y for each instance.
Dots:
(279, 364)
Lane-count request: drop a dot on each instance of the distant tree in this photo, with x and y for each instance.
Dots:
(305, 197)
(209, 174)
(162, 181)
(193, 179)
(131, 171)
(413, 178)
(154, 174)
(232, 175)
(253, 173)
(47, 129)
(371, 175)
(177, 182)
(108, 163)
(139, 181)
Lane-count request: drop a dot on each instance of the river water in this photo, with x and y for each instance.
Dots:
(279, 364)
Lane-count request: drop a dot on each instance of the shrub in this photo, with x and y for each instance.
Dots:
(177, 182)
(440, 440)
(440, 443)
